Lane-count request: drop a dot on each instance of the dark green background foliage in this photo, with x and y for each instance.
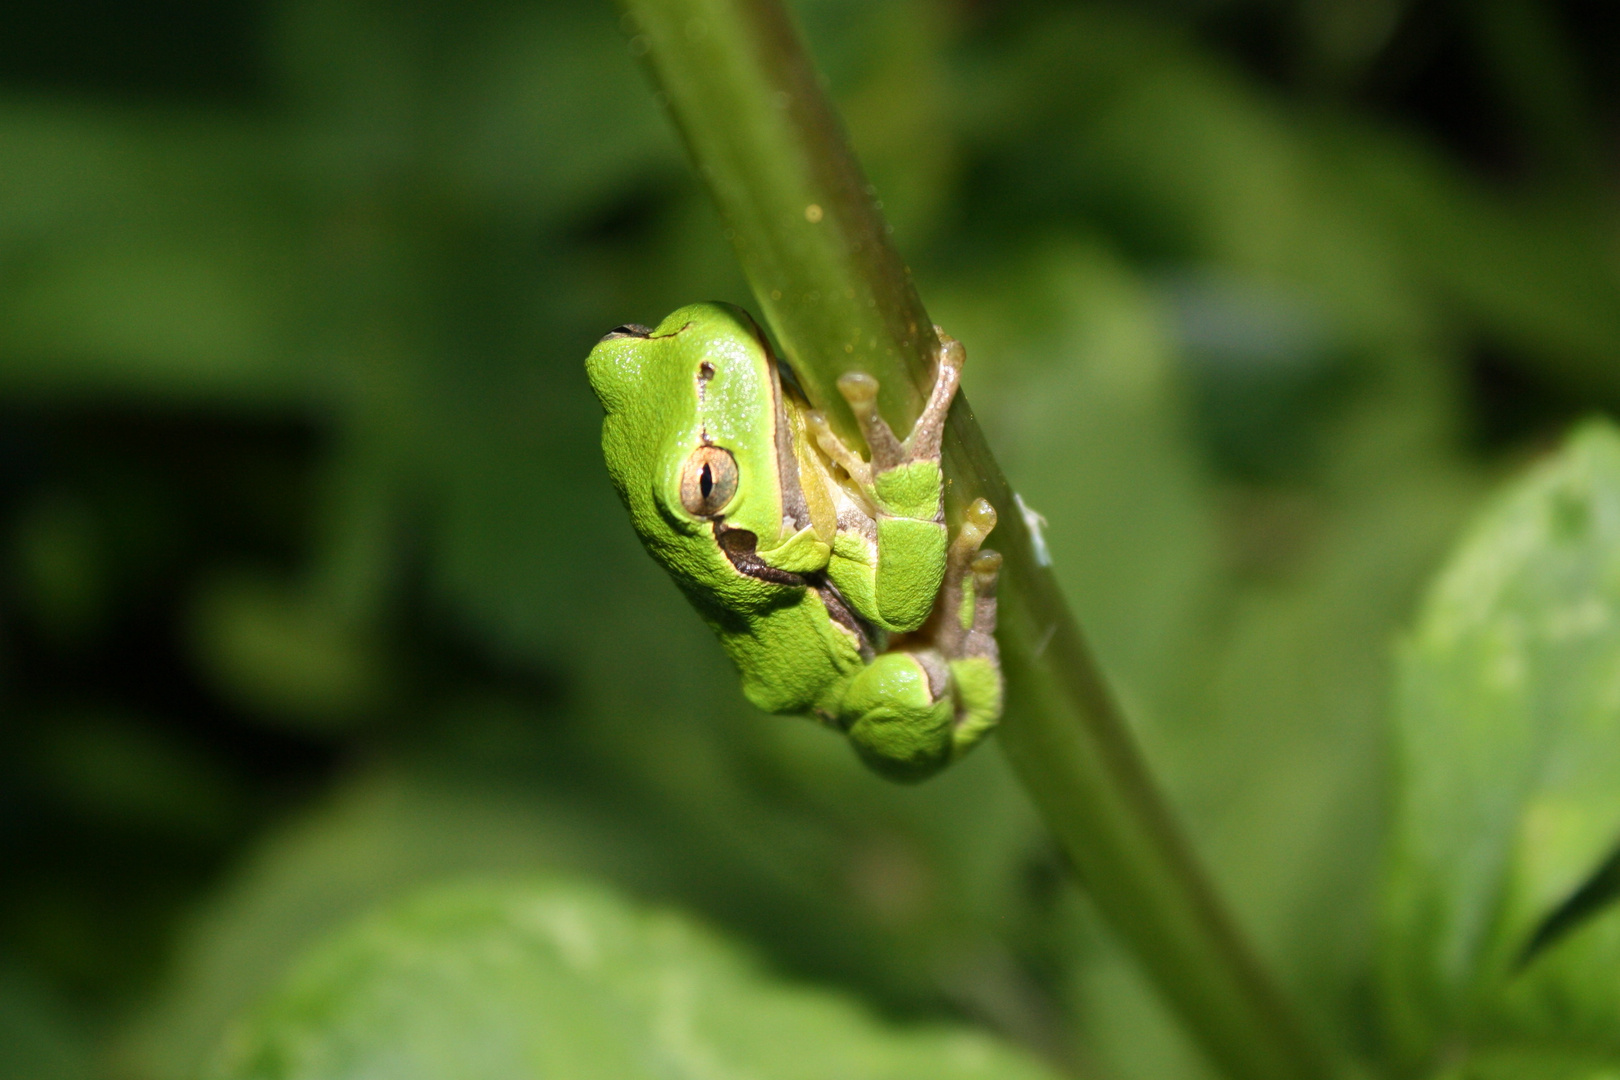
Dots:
(313, 591)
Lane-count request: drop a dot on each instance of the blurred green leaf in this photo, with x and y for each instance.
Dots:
(133, 775)
(1187, 160)
(38, 1041)
(146, 252)
(376, 838)
(287, 655)
(60, 567)
(1529, 274)
(495, 981)
(1544, 1064)
(764, 823)
(1508, 744)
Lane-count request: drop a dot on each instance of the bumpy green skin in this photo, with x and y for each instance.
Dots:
(837, 564)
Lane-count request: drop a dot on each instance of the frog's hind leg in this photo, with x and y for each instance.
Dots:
(964, 618)
(966, 631)
(911, 713)
(976, 675)
(898, 717)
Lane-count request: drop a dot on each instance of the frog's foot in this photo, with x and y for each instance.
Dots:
(976, 669)
(981, 634)
(966, 612)
(910, 712)
(986, 570)
(977, 684)
(888, 451)
(977, 521)
(837, 449)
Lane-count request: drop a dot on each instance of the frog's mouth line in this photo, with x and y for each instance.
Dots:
(741, 546)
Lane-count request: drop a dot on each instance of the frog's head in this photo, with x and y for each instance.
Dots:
(694, 439)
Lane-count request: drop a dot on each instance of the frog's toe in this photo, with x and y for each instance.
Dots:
(859, 389)
(951, 353)
(977, 521)
(986, 567)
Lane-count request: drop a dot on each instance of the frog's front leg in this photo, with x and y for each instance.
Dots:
(915, 710)
(891, 568)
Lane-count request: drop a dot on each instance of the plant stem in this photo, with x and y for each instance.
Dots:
(749, 104)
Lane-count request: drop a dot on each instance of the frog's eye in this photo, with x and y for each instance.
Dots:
(708, 481)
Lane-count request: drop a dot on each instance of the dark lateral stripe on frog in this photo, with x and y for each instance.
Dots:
(839, 611)
(739, 546)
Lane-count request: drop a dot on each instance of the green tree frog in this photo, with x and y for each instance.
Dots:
(828, 577)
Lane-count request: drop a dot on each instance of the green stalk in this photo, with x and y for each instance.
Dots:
(749, 104)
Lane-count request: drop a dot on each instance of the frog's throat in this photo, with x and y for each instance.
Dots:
(740, 547)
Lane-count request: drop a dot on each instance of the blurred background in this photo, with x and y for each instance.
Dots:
(313, 589)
